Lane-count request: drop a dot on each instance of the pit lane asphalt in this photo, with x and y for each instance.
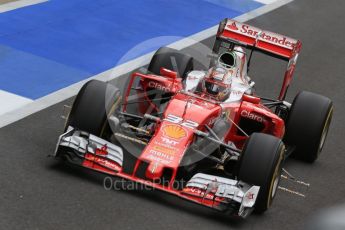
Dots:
(36, 192)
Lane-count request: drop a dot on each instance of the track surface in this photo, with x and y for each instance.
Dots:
(38, 193)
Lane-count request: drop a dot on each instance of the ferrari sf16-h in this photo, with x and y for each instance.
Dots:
(202, 135)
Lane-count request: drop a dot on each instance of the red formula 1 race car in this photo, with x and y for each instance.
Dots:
(204, 136)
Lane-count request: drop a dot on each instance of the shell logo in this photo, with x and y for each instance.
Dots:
(174, 131)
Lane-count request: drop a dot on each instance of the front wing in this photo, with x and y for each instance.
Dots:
(223, 194)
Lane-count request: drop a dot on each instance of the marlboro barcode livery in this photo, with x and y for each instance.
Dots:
(206, 131)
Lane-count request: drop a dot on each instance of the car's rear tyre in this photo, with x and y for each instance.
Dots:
(307, 125)
(171, 59)
(91, 107)
(261, 165)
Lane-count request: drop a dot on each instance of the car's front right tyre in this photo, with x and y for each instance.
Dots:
(261, 165)
(93, 104)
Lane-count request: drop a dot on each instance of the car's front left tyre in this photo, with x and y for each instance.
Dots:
(307, 125)
(93, 104)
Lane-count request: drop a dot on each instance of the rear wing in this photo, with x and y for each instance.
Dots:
(276, 44)
(273, 44)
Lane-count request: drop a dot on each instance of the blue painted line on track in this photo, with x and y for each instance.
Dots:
(52, 45)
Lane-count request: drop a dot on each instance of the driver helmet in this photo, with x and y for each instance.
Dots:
(217, 83)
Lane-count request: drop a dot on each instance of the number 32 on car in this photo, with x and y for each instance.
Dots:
(179, 120)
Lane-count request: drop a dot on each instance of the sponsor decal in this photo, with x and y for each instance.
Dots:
(164, 144)
(103, 150)
(212, 187)
(174, 131)
(198, 192)
(156, 85)
(164, 150)
(169, 141)
(212, 120)
(161, 155)
(264, 35)
(233, 26)
(250, 196)
(106, 163)
(252, 116)
(102, 161)
(159, 159)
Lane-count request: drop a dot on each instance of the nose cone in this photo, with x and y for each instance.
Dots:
(154, 171)
(167, 147)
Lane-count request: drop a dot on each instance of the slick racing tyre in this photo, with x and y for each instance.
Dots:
(90, 110)
(167, 58)
(261, 165)
(171, 59)
(307, 125)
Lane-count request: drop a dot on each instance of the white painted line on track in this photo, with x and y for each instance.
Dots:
(10, 101)
(266, 1)
(19, 4)
(110, 74)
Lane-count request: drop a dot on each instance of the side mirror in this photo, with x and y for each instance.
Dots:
(168, 73)
(251, 99)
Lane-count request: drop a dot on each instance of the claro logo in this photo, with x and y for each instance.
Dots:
(158, 86)
(252, 116)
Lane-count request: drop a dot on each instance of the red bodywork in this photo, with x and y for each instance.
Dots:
(171, 139)
(187, 112)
